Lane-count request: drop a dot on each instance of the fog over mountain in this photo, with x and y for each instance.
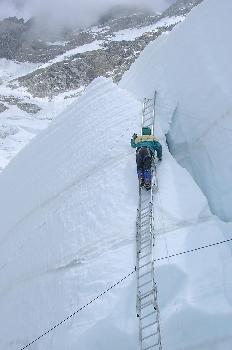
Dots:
(63, 12)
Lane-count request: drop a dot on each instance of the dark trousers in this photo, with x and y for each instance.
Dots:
(144, 161)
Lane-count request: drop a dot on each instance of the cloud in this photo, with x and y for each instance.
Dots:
(10, 8)
(53, 14)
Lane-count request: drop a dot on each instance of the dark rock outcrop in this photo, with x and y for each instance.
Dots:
(30, 108)
(11, 100)
(3, 108)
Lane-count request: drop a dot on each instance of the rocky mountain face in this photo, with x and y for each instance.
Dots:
(111, 60)
(112, 57)
(180, 8)
(19, 40)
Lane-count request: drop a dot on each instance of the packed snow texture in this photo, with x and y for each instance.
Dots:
(68, 204)
(68, 209)
(192, 69)
(65, 237)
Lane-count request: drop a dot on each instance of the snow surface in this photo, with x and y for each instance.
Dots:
(192, 70)
(22, 127)
(132, 34)
(11, 69)
(17, 127)
(68, 204)
(95, 45)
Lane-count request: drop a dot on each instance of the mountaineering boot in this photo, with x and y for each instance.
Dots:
(147, 185)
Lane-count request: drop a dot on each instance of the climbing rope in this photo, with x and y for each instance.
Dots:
(193, 250)
(77, 311)
(210, 245)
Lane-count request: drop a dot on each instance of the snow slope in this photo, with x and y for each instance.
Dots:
(64, 237)
(192, 70)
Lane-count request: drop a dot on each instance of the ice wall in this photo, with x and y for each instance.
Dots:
(191, 68)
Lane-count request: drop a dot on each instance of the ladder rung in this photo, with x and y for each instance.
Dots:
(148, 106)
(144, 274)
(144, 256)
(145, 225)
(147, 120)
(146, 240)
(145, 222)
(144, 230)
(144, 265)
(145, 236)
(149, 336)
(147, 101)
(147, 213)
(150, 346)
(150, 324)
(149, 112)
(146, 246)
(149, 109)
(144, 284)
(148, 303)
(150, 313)
(147, 294)
(147, 207)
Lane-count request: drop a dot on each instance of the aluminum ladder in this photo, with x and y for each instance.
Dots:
(147, 306)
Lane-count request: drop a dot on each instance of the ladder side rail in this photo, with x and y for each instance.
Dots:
(146, 305)
(154, 113)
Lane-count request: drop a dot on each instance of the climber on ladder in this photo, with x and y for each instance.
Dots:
(147, 146)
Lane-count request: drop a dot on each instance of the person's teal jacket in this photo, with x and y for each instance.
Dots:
(147, 141)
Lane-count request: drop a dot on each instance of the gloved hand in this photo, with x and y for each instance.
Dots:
(134, 136)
